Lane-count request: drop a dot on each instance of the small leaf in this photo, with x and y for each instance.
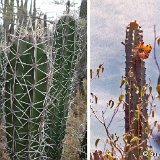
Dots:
(123, 81)
(102, 69)
(158, 89)
(135, 139)
(96, 99)
(155, 123)
(91, 73)
(125, 138)
(111, 103)
(127, 84)
(152, 113)
(150, 89)
(96, 142)
(109, 155)
(92, 94)
(121, 97)
(98, 70)
(100, 66)
(158, 41)
(144, 88)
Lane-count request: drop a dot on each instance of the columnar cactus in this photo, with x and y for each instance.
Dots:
(64, 64)
(135, 107)
(74, 146)
(26, 88)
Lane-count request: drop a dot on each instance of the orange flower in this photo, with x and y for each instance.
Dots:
(143, 55)
(147, 48)
(142, 50)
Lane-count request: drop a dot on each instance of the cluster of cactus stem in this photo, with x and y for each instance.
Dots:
(136, 100)
(38, 84)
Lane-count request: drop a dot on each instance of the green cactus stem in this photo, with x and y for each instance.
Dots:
(25, 93)
(65, 56)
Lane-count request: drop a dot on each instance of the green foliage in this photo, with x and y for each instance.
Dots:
(121, 98)
(134, 139)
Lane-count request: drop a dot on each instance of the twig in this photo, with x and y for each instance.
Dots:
(108, 134)
(115, 112)
(154, 50)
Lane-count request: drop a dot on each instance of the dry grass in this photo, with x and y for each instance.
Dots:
(76, 125)
(3, 151)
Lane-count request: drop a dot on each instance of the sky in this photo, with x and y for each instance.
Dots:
(108, 22)
(53, 10)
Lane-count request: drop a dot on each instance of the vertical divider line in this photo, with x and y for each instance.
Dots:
(88, 80)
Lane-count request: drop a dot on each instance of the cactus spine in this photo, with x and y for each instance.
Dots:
(135, 73)
(25, 91)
